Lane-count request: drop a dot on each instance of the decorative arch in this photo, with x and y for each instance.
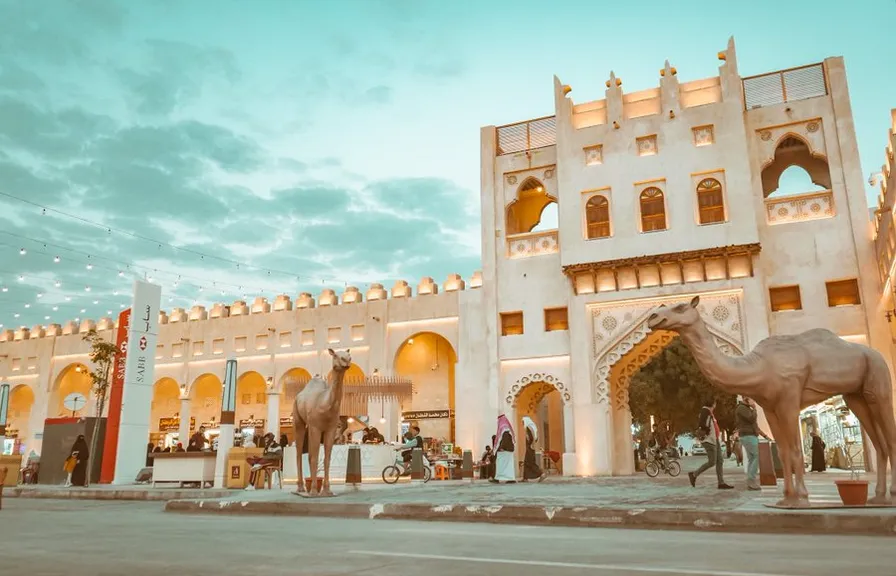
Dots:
(205, 379)
(535, 378)
(524, 213)
(792, 149)
(722, 323)
(74, 377)
(292, 382)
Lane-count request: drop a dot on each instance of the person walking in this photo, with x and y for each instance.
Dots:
(708, 433)
(818, 446)
(81, 455)
(531, 469)
(749, 432)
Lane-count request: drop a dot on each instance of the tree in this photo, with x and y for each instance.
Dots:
(671, 388)
(102, 356)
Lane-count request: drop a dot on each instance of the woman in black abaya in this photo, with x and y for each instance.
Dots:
(531, 469)
(81, 454)
(818, 446)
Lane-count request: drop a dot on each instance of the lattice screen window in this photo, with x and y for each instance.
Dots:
(653, 210)
(710, 201)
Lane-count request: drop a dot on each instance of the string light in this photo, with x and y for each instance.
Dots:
(5, 289)
(120, 274)
(56, 259)
(87, 288)
(57, 283)
(16, 315)
(90, 266)
(21, 278)
(27, 305)
(40, 294)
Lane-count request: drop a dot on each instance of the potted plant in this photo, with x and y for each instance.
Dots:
(853, 492)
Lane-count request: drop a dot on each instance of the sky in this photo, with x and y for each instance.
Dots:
(229, 149)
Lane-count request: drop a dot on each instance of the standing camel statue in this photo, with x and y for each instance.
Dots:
(785, 374)
(317, 408)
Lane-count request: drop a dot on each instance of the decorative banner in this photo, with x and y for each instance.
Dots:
(256, 423)
(173, 424)
(110, 444)
(427, 414)
(228, 397)
(139, 370)
(4, 407)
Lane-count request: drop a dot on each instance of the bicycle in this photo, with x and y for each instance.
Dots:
(669, 465)
(393, 472)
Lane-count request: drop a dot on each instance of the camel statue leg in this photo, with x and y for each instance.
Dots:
(878, 394)
(329, 440)
(856, 403)
(298, 426)
(313, 457)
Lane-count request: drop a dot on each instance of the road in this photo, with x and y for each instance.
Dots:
(75, 538)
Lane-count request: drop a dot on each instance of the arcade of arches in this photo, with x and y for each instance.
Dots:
(21, 400)
(429, 360)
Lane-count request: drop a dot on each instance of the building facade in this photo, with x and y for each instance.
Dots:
(659, 195)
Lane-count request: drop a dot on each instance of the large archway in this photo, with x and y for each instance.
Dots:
(291, 383)
(543, 403)
(429, 360)
(205, 401)
(74, 378)
(164, 408)
(18, 429)
(251, 402)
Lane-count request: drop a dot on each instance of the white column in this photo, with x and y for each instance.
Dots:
(183, 428)
(570, 464)
(273, 422)
(594, 439)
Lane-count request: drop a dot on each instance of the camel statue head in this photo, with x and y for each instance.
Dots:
(341, 360)
(675, 318)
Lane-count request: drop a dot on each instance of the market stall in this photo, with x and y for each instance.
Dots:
(183, 467)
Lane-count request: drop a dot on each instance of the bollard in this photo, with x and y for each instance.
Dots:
(353, 466)
(467, 470)
(416, 464)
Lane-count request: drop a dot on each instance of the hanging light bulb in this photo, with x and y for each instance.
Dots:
(120, 273)
(22, 251)
(87, 288)
(90, 266)
(121, 305)
(40, 294)
(46, 317)
(68, 298)
(16, 315)
(27, 305)
(115, 293)
(21, 278)
(96, 302)
(56, 259)
(57, 283)
(5, 289)
(109, 312)
(55, 308)
(83, 311)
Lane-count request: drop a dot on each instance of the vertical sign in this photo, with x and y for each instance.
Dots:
(4, 409)
(136, 398)
(110, 445)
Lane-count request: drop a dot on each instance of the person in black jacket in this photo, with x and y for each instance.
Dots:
(708, 434)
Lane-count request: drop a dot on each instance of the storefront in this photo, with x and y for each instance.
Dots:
(838, 428)
(168, 434)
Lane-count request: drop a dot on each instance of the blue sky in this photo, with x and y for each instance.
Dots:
(327, 141)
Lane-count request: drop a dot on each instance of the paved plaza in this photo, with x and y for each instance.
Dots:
(75, 538)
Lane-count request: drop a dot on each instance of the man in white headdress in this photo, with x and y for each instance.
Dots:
(505, 446)
(531, 469)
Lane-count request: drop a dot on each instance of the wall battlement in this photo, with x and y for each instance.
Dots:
(260, 305)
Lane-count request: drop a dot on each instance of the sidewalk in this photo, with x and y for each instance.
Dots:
(143, 492)
(633, 502)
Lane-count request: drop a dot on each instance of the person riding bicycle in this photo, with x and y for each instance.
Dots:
(414, 440)
(659, 445)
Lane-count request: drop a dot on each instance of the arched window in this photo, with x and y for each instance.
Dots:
(709, 201)
(653, 210)
(532, 207)
(597, 217)
(795, 170)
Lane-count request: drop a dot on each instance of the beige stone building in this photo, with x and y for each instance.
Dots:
(659, 195)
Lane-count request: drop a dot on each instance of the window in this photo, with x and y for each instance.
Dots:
(177, 349)
(218, 346)
(843, 293)
(197, 347)
(703, 135)
(597, 217)
(357, 331)
(307, 337)
(261, 342)
(653, 210)
(239, 344)
(160, 351)
(334, 335)
(285, 339)
(709, 201)
(785, 298)
(511, 323)
(556, 319)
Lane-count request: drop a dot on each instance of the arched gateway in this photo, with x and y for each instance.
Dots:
(548, 401)
(622, 344)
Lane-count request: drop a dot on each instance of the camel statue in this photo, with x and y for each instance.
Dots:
(785, 374)
(317, 407)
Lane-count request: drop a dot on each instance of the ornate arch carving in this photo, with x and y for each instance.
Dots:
(721, 312)
(549, 380)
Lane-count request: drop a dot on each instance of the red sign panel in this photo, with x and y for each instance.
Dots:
(110, 446)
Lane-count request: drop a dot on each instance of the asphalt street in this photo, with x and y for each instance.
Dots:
(54, 537)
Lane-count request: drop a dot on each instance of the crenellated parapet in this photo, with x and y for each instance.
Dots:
(260, 305)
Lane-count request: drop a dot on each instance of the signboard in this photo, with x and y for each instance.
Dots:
(427, 414)
(286, 421)
(209, 425)
(110, 444)
(173, 424)
(139, 368)
(257, 423)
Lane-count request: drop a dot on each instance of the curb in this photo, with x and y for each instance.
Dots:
(653, 519)
(123, 494)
